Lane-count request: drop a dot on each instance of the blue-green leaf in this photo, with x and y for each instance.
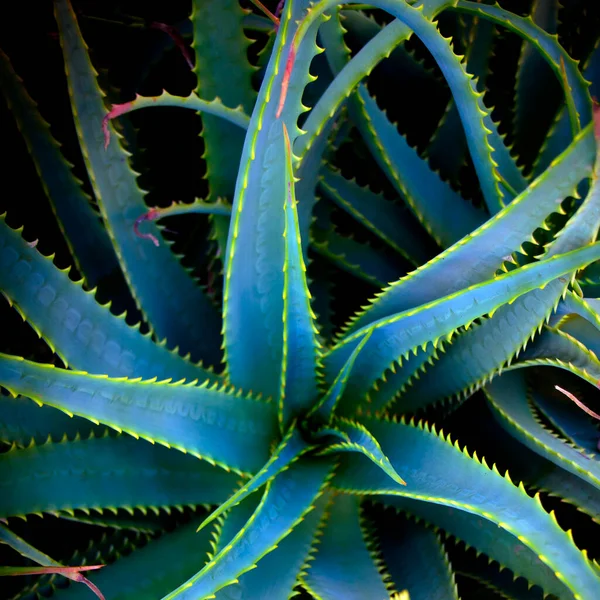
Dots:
(355, 437)
(438, 473)
(344, 565)
(253, 298)
(215, 424)
(106, 473)
(81, 331)
(415, 559)
(480, 352)
(288, 498)
(355, 70)
(443, 213)
(577, 97)
(485, 536)
(300, 344)
(88, 241)
(397, 336)
(176, 307)
(441, 210)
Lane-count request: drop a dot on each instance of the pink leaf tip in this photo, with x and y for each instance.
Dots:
(151, 215)
(579, 403)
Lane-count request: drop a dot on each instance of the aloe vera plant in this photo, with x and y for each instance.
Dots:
(244, 428)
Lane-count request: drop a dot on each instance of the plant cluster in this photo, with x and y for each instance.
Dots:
(362, 362)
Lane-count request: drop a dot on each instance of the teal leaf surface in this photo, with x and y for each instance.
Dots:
(176, 307)
(186, 417)
(352, 574)
(287, 499)
(452, 478)
(107, 472)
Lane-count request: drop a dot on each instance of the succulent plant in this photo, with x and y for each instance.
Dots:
(305, 451)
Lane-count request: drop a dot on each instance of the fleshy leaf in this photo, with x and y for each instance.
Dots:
(397, 336)
(192, 419)
(415, 558)
(356, 438)
(176, 307)
(291, 447)
(353, 573)
(81, 331)
(485, 536)
(498, 339)
(437, 472)
(106, 473)
(300, 344)
(253, 296)
(288, 498)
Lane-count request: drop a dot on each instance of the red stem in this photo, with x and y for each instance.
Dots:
(267, 12)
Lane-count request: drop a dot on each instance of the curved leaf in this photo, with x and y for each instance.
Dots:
(485, 536)
(213, 424)
(352, 574)
(253, 297)
(438, 473)
(355, 437)
(397, 336)
(105, 473)
(81, 331)
(92, 251)
(484, 250)
(441, 211)
(507, 397)
(415, 558)
(479, 353)
(578, 100)
(288, 498)
(166, 293)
